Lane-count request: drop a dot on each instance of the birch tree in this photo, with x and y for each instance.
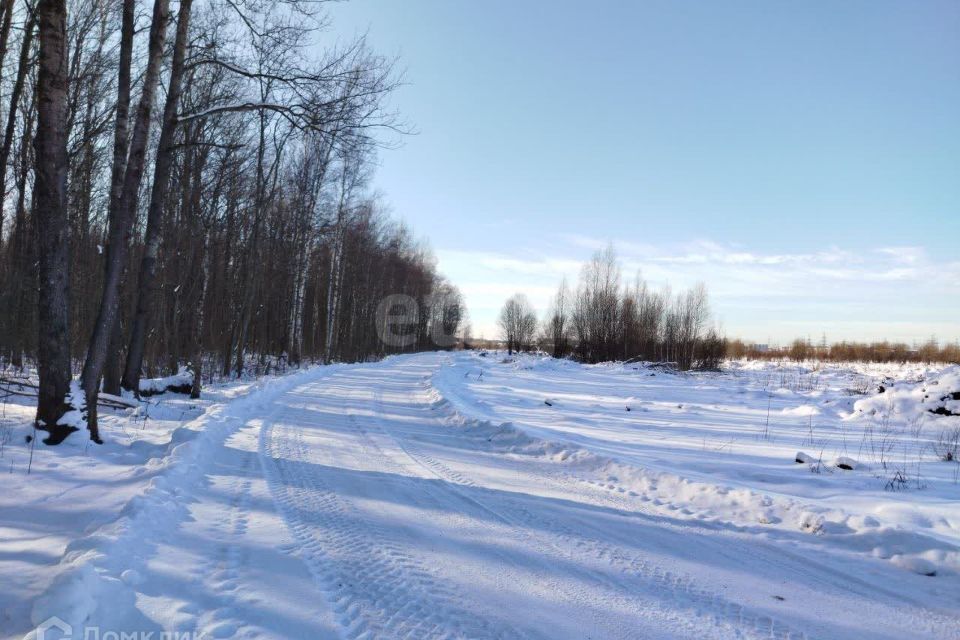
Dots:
(50, 209)
(123, 192)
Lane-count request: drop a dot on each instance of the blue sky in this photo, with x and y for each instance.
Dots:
(800, 158)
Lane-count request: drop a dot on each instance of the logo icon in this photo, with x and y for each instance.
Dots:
(47, 630)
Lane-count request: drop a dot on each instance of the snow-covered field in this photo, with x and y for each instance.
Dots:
(460, 495)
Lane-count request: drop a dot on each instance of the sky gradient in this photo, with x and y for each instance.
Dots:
(802, 159)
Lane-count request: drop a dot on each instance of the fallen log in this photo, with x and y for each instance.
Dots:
(103, 400)
(180, 382)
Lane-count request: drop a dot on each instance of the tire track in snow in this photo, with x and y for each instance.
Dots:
(226, 571)
(439, 492)
(695, 602)
(932, 623)
(373, 586)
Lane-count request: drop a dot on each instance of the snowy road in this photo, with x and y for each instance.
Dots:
(406, 545)
(361, 503)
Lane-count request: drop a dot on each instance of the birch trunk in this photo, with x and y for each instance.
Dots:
(50, 210)
(126, 176)
(161, 178)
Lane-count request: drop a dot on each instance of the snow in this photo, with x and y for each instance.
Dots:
(77, 401)
(183, 378)
(845, 463)
(911, 401)
(452, 495)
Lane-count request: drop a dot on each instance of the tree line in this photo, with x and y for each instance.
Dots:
(192, 187)
(603, 320)
(803, 349)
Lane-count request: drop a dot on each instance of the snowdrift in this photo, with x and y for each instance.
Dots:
(890, 535)
(936, 395)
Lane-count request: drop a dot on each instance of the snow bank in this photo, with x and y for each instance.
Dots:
(676, 496)
(936, 395)
(98, 570)
(737, 505)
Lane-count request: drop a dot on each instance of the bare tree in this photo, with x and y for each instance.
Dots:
(50, 209)
(123, 193)
(604, 321)
(596, 312)
(16, 93)
(161, 176)
(518, 323)
(556, 328)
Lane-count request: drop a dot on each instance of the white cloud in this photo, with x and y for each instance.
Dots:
(904, 255)
(754, 293)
